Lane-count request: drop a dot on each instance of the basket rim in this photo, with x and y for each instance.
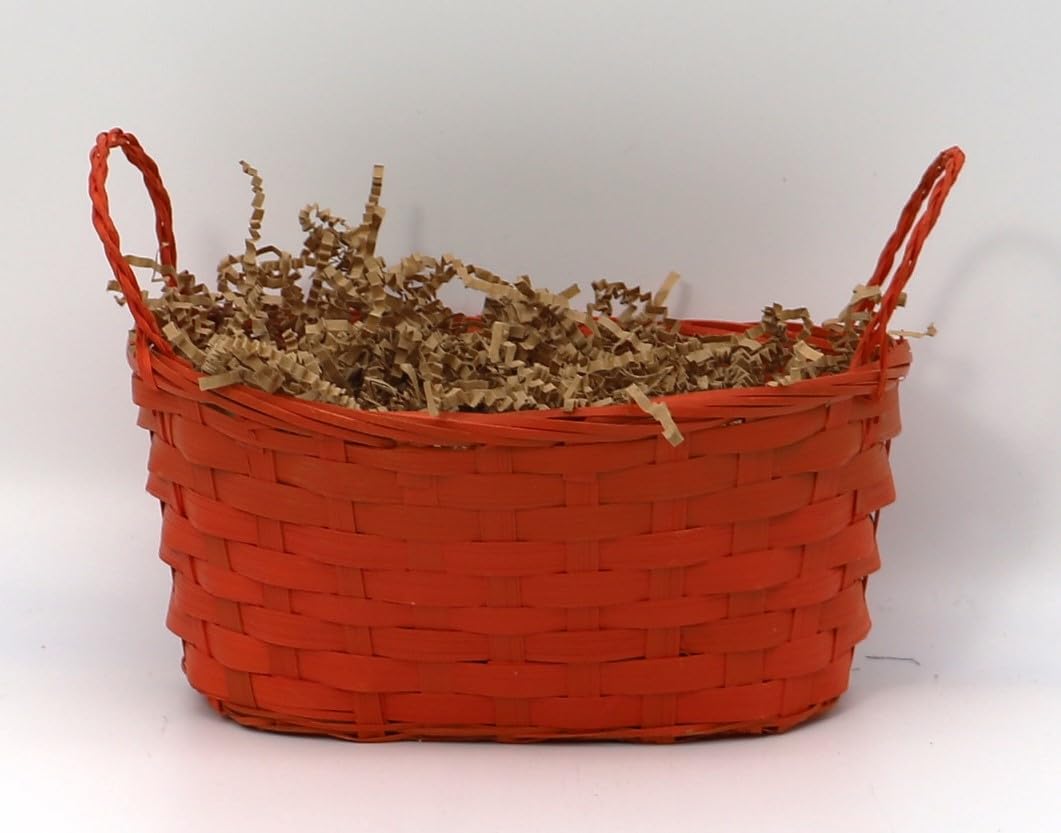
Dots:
(607, 423)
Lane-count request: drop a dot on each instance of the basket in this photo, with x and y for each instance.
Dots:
(520, 576)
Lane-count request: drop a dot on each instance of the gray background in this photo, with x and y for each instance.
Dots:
(763, 150)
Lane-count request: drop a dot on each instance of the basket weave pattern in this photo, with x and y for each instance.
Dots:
(527, 575)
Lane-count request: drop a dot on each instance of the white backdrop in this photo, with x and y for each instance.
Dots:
(762, 149)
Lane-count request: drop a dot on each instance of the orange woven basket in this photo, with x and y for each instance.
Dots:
(520, 576)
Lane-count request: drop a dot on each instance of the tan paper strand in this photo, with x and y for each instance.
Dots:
(659, 412)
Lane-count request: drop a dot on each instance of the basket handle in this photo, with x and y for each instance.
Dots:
(147, 329)
(933, 189)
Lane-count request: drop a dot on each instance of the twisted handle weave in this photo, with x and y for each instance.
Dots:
(147, 328)
(931, 192)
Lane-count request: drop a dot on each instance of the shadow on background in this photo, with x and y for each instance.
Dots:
(966, 548)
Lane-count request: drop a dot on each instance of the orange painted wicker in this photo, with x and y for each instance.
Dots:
(520, 576)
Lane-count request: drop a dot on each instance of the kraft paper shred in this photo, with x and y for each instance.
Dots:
(336, 323)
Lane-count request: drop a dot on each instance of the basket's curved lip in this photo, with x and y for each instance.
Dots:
(585, 424)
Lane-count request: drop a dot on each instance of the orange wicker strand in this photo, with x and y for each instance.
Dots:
(520, 576)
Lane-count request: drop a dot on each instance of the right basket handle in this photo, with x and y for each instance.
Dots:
(147, 329)
(933, 188)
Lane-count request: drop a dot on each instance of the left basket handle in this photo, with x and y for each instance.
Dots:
(147, 329)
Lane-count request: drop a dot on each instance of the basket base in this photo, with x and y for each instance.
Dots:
(255, 719)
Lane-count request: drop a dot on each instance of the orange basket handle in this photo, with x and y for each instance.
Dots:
(933, 189)
(147, 329)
